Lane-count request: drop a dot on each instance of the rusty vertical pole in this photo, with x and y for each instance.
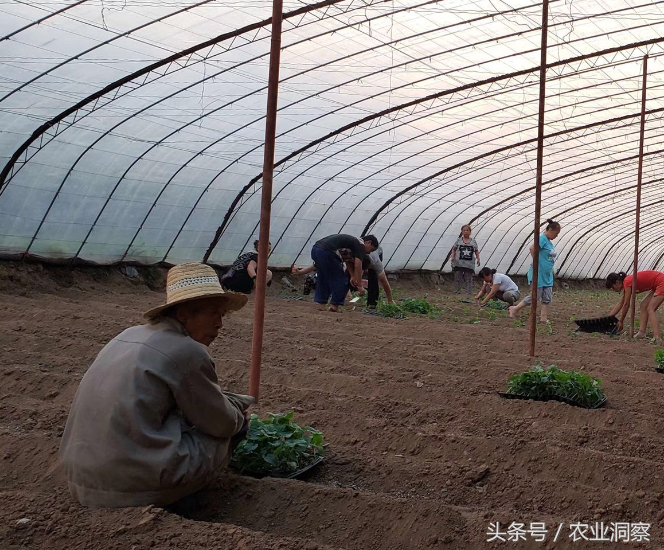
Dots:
(266, 200)
(638, 196)
(538, 180)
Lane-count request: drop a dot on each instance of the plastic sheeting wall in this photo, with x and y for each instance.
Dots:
(133, 132)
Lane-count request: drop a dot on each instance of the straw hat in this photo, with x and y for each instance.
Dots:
(188, 282)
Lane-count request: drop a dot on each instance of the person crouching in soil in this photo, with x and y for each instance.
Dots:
(149, 423)
(332, 282)
(497, 286)
(241, 277)
(646, 281)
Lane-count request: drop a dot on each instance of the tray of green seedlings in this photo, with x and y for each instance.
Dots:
(555, 384)
(659, 360)
(278, 447)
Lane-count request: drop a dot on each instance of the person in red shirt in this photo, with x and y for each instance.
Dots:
(651, 281)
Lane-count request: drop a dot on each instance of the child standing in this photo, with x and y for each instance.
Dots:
(462, 262)
(547, 257)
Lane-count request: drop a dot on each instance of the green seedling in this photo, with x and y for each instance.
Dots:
(277, 446)
(421, 306)
(393, 311)
(518, 323)
(659, 358)
(540, 382)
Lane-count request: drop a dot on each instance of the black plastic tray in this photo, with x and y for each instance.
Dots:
(506, 395)
(607, 325)
(660, 370)
(295, 475)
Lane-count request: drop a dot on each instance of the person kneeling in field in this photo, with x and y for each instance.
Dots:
(242, 275)
(149, 423)
(497, 286)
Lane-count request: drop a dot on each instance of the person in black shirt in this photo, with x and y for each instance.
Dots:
(332, 282)
(241, 277)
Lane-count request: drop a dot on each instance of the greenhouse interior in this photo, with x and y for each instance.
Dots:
(438, 226)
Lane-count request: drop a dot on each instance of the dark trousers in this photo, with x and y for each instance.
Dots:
(373, 291)
(331, 281)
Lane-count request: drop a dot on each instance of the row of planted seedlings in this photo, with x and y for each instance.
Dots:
(278, 447)
(402, 308)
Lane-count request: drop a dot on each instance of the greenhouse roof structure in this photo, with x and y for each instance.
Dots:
(134, 131)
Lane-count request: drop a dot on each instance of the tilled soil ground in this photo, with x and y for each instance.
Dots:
(423, 452)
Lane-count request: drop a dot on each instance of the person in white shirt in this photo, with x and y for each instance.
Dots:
(497, 286)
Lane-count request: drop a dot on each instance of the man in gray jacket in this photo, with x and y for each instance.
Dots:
(149, 423)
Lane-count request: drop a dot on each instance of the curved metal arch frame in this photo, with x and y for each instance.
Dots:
(145, 72)
(521, 144)
(391, 128)
(404, 159)
(559, 63)
(615, 222)
(359, 182)
(99, 45)
(415, 103)
(564, 199)
(603, 210)
(612, 248)
(217, 141)
(596, 199)
(602, 165)
(41, 20)
(181, 228)
(530, 189)
(597, 226)
(204, 190)
(200, 152)
(230, 214)
(573, 253)
(616, 248)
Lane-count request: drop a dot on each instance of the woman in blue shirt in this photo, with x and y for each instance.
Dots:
(547, 257)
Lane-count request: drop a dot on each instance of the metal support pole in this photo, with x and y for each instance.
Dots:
(538, 180)
(638, 197)
(266, 201)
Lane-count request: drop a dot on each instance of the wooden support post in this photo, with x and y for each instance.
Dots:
(266, 200)
(538, 180)
(638, 198)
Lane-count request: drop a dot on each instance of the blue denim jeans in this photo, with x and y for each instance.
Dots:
(331, 278)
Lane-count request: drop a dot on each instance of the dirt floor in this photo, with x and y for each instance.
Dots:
(423, 452)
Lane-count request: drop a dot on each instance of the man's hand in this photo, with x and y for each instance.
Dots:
(478, 262)
(357, 284)
(295, 270)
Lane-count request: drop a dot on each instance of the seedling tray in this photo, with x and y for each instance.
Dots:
(302, 472)
(660, 370)
(606, 325)
(506, 395)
